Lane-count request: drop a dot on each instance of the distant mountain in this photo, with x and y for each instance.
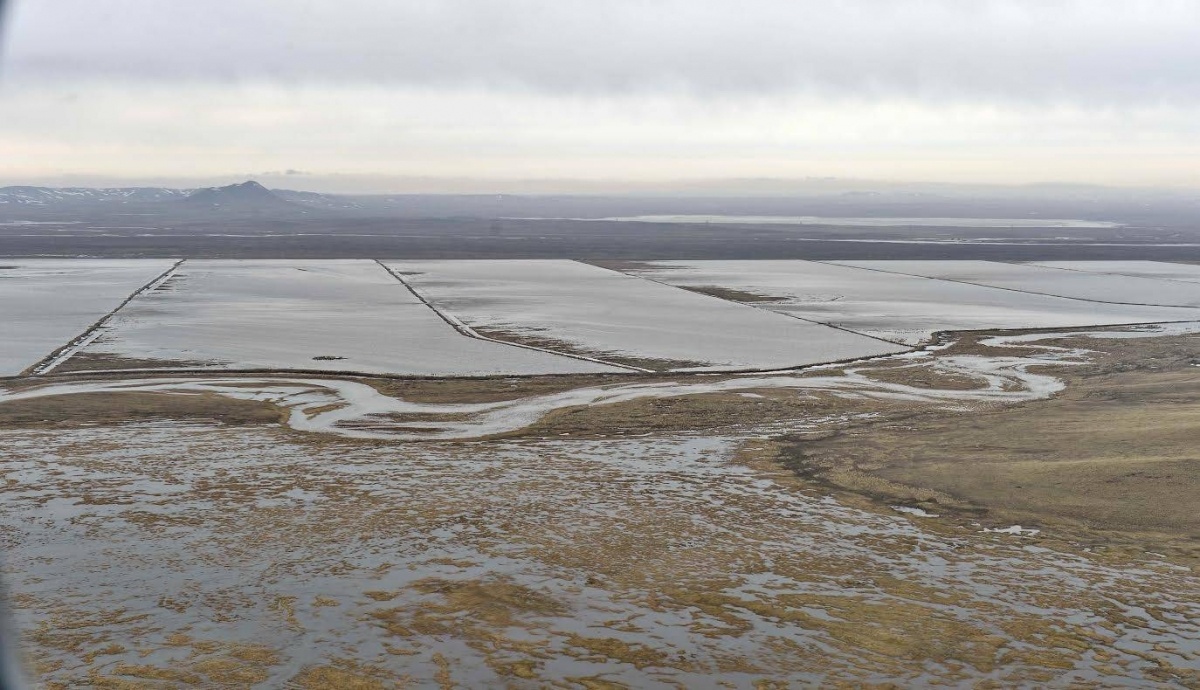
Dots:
(50, 196)
(245, 196)
(240, 197)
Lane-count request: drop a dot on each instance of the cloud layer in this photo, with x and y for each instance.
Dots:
(946, 88)
(1011, 49)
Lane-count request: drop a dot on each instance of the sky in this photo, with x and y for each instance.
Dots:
(481, 95)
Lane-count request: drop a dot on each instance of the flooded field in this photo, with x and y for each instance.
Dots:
(888, 304)
(1112, 288)
(477, 318)
(1189, 273)
(349, 315)
(578, 307)
(44, 303)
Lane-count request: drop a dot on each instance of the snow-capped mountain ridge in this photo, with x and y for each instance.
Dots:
(45, 196)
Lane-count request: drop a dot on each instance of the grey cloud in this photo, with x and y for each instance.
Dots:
(1074, 51)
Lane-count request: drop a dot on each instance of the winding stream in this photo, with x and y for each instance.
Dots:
(353, 409)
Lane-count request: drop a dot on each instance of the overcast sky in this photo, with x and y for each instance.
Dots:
(382, 95)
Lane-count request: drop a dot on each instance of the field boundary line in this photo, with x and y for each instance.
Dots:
(1023, 292)
(1108, 273)
(458, 325)
(47, 364)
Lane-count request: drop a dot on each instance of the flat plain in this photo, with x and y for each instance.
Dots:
(1005, 508)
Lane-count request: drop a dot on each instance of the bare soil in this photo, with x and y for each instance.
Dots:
(93, 361)
(658, 365)
(731, 294)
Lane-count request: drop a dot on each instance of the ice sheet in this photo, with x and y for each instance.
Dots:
(603, 311)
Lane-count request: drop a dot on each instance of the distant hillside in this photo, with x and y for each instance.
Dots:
(318, 200)
(245, 196)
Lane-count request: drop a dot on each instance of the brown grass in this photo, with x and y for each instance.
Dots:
(1113, 454)
(62, 411)
(731, 294)
(555, 345)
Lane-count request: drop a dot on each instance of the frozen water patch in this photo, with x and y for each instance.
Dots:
(914, 511)
(1153, 330)
(1013, 529)
(356, 410)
